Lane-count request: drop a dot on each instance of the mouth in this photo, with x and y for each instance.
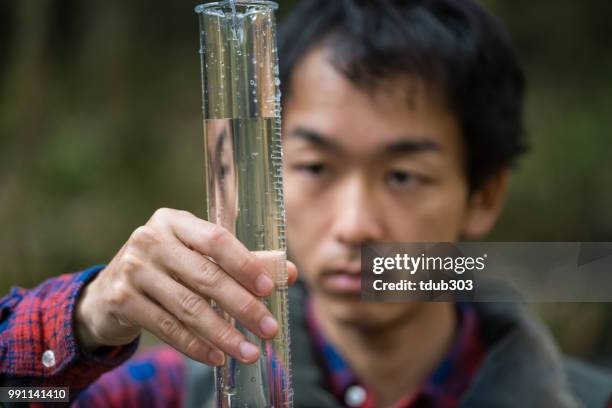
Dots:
(342, 282)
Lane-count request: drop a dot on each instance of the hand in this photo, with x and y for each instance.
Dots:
(162, 280)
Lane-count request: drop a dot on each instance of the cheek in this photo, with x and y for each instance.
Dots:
(437, 217)
(305, 224)
(295, 201)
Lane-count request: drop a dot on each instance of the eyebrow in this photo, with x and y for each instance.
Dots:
(316, 138)
(405, 145)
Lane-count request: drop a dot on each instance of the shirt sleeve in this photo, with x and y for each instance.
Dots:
(38, 347)
(155, 378)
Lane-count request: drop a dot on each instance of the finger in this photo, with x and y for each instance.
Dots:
(146, 314)
(275, 262)
(292, 273)
(198, 316)
(218, 243)
(205, 279)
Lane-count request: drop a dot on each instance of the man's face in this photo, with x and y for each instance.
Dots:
(365, 166)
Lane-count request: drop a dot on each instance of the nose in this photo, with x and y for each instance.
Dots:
(356, 220)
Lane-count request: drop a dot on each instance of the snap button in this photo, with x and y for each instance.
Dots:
(355, 396)
(48, 358)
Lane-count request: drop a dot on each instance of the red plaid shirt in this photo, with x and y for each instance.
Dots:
(443, 389)
(38, 349)
(39, 322)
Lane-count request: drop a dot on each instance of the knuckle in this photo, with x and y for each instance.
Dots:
(169, 327)
(193, 305)
(251, 307)
(119, 294)
(211, 276)
(161, 213)
(144, 237)
(129, 263)
(247, 264)
(193, 346)
(225, 335)
(160, 216)
(217, 234)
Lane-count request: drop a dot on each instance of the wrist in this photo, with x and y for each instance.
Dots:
(95, 327)
(82, 323)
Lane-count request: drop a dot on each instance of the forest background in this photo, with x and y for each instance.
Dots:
(100, 124)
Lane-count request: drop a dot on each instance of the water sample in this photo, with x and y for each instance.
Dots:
(244, 183)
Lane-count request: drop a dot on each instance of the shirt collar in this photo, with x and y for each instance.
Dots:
(445, 385)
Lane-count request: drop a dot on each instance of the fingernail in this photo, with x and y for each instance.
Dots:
(248, 351)
(216, 357)
(268, 325)
(264, 284)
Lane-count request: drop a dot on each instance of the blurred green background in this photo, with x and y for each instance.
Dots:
(100, 124)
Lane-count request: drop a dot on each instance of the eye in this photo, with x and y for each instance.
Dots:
(223, 171)
(402, 179)
(314, 169)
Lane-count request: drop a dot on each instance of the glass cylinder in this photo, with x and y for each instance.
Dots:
(244, 182)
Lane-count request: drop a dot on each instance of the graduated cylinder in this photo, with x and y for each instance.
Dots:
(243, 169)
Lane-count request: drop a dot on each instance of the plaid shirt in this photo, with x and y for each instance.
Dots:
(153, 379)
(38, 348)
(37, 343)
(443, 389)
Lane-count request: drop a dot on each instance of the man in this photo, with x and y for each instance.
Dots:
(401, 120)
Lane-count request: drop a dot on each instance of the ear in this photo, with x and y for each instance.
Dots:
(485, 205)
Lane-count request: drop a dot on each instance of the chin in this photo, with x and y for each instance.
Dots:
(368, 315)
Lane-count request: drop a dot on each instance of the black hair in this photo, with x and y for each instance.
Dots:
(454, 45)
